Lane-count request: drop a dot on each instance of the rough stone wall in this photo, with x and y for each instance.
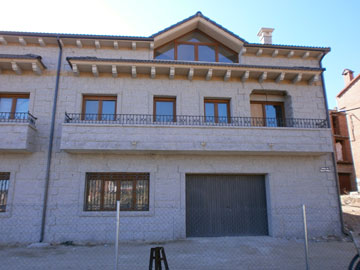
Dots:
(289, 180)
(289, 177)
(281, 61)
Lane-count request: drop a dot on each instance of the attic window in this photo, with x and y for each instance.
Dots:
(196, 46)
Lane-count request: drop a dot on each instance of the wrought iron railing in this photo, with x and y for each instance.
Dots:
(17, 117)
(191, 120)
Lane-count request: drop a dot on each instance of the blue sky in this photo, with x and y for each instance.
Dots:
(328, 23)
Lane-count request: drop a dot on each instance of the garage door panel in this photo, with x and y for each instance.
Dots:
(225, 205)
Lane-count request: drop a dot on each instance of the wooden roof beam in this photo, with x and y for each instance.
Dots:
(191, 74)
(172, 73)
(259, 52)
(15, 67)
(97, 44)
(209, 74)
(297, 78)
(305, 55)
(95, 70)
(314, 79)
(262, 77)
(133, 72)
(280, 77)
(22, 41)
(116, 45)
(3, 41)
(290, 54)
(41, 42)
(114, 71)
(79, 44)
(227, 75)
(75, 70)
(152, 72)
(36, 68)
(245, 76)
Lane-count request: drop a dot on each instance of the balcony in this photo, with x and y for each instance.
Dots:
(197, 134)
(17, 132)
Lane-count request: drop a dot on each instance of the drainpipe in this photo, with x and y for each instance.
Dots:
(333, 153)
(50, 147)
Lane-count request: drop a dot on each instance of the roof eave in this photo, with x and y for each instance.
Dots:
(78, 36)
(292, 47)
(346, 88)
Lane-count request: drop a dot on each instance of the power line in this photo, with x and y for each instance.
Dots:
(357, 108)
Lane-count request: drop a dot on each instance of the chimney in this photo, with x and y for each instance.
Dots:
(348, 76)
(265, 35)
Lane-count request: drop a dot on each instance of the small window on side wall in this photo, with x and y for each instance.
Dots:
(270, 114)
(217, 110)
(99, 108)
(164, 109)
(14, 106)
(4, 189)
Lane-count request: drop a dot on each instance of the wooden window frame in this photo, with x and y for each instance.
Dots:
(196, 45)
(270, 103)
(14, 98)
(100, 99)
(264, 103)
(165, 99)
(216, 111)
(118, 178)
(4, 176)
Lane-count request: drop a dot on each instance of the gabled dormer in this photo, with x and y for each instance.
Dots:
(196, 46)
(197, 38)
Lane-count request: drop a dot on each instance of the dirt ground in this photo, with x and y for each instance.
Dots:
(351, 212)
(195, 253)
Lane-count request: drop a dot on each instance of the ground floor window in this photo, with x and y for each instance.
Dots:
(4, 188)
(104, 189)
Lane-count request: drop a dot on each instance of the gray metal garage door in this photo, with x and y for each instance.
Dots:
(225, 205)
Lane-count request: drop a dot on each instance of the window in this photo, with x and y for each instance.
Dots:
(217, 110)
(196, 46)
(335, 122)
(339, 151)
(4, 188)
(269, 114)
(104, 189)
(14, 106)
(99, 108)
(164, 109)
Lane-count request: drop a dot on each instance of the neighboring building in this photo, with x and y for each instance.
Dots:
(191, 127)
(345, 165)
(349, 101)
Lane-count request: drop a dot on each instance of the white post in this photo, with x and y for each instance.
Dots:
(306, 238)
(117, 234)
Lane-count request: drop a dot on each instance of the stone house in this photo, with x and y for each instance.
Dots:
(195, 130)
(348, 100)
(343, 154)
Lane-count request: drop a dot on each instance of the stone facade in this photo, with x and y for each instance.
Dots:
(349, 100)
(290, 158)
